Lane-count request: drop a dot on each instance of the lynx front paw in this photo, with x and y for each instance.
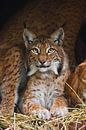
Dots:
(59, 107)
(42, 113)
(36, 110)
(59, 111)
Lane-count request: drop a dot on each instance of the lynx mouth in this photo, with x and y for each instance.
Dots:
(42, 66)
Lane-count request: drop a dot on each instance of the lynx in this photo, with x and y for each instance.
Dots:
(48, 72)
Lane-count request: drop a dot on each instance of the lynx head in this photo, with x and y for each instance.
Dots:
(45, 53)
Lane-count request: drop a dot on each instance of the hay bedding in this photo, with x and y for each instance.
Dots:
(75, 120)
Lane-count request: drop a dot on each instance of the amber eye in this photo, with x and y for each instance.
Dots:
(50, 50)
(35, 50)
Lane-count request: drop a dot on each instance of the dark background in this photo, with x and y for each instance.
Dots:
(9, 8)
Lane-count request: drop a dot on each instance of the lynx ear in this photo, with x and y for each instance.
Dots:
(28, 37)
(58, 36)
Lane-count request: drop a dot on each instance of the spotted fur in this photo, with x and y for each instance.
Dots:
(48, 72)
(13, 76)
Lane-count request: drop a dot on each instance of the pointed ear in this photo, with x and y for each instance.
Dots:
(58, 36)
(28, 37)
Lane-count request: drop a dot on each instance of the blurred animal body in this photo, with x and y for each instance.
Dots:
(77, 82)
(12, 78)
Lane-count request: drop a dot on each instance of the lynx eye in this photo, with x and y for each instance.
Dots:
(35, 50)
(50, 50)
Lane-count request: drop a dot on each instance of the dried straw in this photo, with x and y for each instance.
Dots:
(23, 122)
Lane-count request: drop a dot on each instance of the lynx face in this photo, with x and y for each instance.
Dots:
(45, 56)
(44, 53)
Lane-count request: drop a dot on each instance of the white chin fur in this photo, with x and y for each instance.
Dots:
(33, 70)
(43, 69)
(54, 67)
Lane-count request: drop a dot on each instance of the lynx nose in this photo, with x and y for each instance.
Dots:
(42, 62)
(42, 59)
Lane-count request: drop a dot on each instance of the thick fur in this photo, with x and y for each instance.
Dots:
(77, 82)
(12, 79)
(48, 72)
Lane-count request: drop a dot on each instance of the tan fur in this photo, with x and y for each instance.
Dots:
(77, 81)
(44, 95)
(10, 79)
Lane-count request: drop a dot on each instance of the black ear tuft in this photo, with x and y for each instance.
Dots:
(58, 36)
(28, 36)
